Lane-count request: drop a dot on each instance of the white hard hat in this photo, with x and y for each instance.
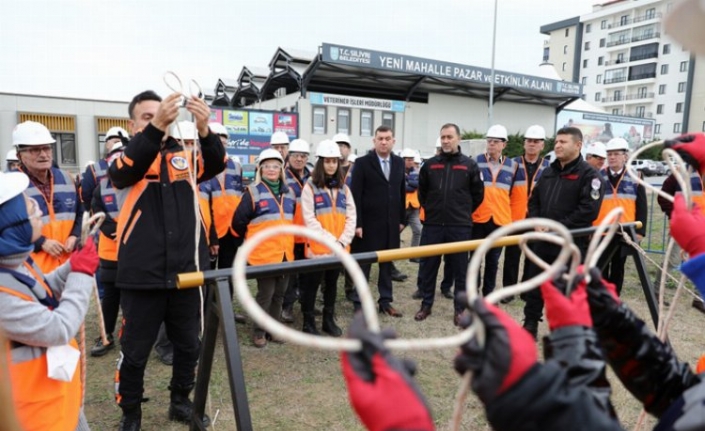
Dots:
(12, 156)
(269, 154)
(497, 131)
(342, 138)
(617, 144)
(438, 142)
(12, 184)
(407, 153)
(279, 138)
(352, 157)
(534, 132)
(299, 146)
(185, 130)
(597, 149)
(117, 147)
(417, 158)
(328, 148)
(218, 129)
(116, 132)
(31, 133)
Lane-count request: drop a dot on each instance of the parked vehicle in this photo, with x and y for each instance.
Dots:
(647, 167)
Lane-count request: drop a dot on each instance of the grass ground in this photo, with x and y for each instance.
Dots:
(293, 388)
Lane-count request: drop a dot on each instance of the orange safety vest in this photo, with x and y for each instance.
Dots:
(204, 205)
(41, 403)
(271, 212)
(696, 187)
(296, 186)
(412, 198)
(59, 215)
(622, 196)
(107, 247)
(226, 194)
(330, 210)
(520, 190)
(496, 204)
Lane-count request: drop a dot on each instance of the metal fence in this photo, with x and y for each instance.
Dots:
(657, 236)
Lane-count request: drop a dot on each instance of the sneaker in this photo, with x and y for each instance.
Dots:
(417, 295)
(447, 294)
(699, 305)
(274, 339)
(259, 341)
(99, 349)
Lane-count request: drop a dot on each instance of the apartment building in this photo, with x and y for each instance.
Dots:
(628, 65)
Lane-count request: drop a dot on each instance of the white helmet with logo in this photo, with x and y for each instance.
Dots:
(497, 131)
(534, 132)
(31, 133)
(279, 138)
(342, 138)
(12, 156)
(269, 154)
(218, 129)
(299, 146)
(408, 153)
(116, 132)
(596, 149)
(352, 157)
(328, 149)
(185, 130)
(617, 144)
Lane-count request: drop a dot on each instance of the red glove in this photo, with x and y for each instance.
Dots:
(564, 311)
(691, 148)
(688, 227)
(380, 386)
(85, 260)
(509, 352)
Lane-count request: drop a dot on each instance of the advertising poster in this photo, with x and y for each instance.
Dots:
(603, 127)
(216, 116)
(286, 122)
(236, 122)
(261, 123)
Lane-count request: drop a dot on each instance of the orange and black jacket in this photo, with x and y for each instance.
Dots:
(157, 221)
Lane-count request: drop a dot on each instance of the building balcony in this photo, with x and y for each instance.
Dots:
(615, 80)
(612, 99)
(646, 36)
(615, 62)
(643, 56)
(642, 76)
(620, 41)
(639, 96)
(640, 114)
(635, 20)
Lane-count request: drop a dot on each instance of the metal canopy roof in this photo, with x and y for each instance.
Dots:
(360, 72)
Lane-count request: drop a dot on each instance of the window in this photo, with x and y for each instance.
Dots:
(319, 120)
(563, 67)
(587, 46)
(388, 119)
(63, 130)
(565, 49)
(679, 107)
(666, 49)
(546, 52)
(617, 95)
(657, 129)
(616, 111)
(598, 79)
(659, 109)
(650, 13)
(600, 61)
(684, 66)
(624, 20)
(620, 58)
(640, 111)
(67, 143)
(567, 32)
(681, 87)
(603, 25)
(641, 93)
(676, 127)
(598, 96)
(664, 69)
(588, 28)
(585, 63)
(602, 42)
(662, 89)
(366, 122)
(344, 121)
(584, 80)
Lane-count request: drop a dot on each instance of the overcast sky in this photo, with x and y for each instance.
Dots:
(112, 49)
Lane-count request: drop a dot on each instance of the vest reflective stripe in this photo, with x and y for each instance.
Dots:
(623, 196)
(100, 170)
(496, 205)
(296, 186)
(59, 217)
(520, 191)
(226, 194)
(107, 247)
(205, 208)
(270, 212)
(41, 403)
(331, 214)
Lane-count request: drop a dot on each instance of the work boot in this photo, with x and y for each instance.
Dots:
(131, 419)
(310, 324)
(288, 314)
(532, 327)
(181, 407)
(99, 349)
(329, 326)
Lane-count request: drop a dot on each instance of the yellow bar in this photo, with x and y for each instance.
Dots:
(189, 279)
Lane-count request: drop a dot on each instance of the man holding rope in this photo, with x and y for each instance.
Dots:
(154, 173)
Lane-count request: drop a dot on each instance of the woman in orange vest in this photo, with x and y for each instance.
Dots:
(39, 315)
(328, 208)
(267, 202)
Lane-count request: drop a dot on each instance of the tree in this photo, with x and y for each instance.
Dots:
(515, 143)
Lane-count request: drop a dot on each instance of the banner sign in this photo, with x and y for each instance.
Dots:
(340, 54)
(603, 127)
(356, 102)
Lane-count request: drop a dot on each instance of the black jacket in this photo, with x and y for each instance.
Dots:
(450, 189)
(157, 221)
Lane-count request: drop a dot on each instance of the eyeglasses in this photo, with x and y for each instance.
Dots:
(272, 166)
(298, 155)
(35, 151)
(495, 141)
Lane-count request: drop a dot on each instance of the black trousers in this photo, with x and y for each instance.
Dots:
(110, 304)
(458, 262)
(447, 282)
(228, 246)
(384, 284)
(309, 290)
(512, 260)
(294, 286)
(613, 267)
(143, 312)
(489, 277)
